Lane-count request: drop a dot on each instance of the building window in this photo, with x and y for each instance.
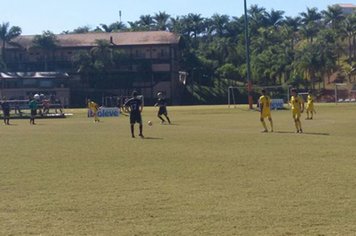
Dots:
(29, 83)
(46, 84)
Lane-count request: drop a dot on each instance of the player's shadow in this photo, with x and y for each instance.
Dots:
(152, 138)
(307, 133)
(311, 133)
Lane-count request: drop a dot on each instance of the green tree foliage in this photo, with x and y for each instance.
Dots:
(300, 50)
(114, 27)
(95, 63)
(7, 34)
(81, 30)
(46, 43)
(161, 21)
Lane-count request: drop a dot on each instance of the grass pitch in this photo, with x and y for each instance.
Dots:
(210, 173)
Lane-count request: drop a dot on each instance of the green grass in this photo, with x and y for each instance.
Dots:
(211, 173)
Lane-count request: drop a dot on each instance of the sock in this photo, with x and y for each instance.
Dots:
(271, 122)
(264, 124)
(300, 125)
(132, 130)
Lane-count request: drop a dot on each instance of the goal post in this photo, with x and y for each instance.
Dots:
(118, 101)
(340, 96)
(279, 94)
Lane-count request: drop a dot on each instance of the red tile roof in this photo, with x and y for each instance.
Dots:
(347, 5)
(118, 38)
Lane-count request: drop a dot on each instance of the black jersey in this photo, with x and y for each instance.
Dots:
(134, 104)
(5, 106)
(161, 102)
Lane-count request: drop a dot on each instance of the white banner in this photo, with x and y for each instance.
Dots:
(277, 104)
(106, 112)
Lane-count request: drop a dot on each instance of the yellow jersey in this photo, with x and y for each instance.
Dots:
(93, 106)
(310, 103)
(296, 103)
(265, 102)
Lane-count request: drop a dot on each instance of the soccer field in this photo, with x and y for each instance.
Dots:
(210, 173)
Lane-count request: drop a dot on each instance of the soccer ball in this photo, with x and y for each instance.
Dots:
(150, 123)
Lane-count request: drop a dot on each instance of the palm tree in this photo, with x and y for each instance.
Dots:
(328, 51)
(218, 24)
(257, 17)
(176, 25)
(348, 30)
(291, 27)
(114, 27)
(274, 18)
(161, 20)
(102, 52)
(95, 63)
(146, 22)
(223, 48)
(47, 42)
(235, 27)
(194, 23)
(6, 35)
(334, 16)
(312, 15)
(309, 61)
(81, 30)
(311, 22)
(134, 26)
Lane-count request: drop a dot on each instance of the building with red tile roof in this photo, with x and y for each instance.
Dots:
(347, 8)
(149, 64)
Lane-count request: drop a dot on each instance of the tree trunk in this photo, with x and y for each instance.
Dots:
(350, 50)
(45, 62)
(354, 47)
(3, 51)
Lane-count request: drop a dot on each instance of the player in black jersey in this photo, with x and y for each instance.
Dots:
(162, 103)
(135, 107)
(5, 105)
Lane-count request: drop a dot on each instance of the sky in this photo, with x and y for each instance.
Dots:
(36, 16)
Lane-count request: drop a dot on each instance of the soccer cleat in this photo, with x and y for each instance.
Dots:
(300, 131)
(264, 131)
(141, 135)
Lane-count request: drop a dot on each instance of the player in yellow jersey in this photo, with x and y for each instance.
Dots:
(297, 104)
(310, 106)
(265, 110)
(93, 107)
